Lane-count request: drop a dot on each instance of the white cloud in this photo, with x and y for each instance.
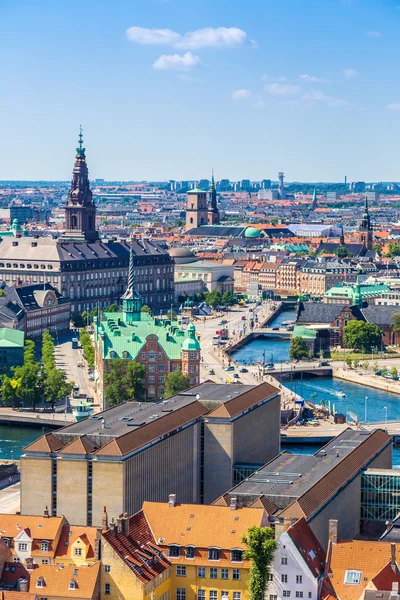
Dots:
(212, 37)
(241, 94)
(180, 62)
(373, 33)
(281, 89)
(141, 35)
(200, 38)
(393, 107)
(312, 79)
(350, 73)
(318, 96)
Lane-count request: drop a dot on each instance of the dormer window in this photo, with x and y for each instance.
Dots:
(73, 584)
(124, 354)
(214, 554)
(190, 551)
(44, 546)
(113, 354)
(6, 541)
(40, 582)
(236, 555)
(174, 551)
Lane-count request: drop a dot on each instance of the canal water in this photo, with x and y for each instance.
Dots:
(13, 439)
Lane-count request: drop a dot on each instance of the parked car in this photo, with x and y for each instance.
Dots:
(229, 368)
(314, 422)
(276, 328)
(324, 363)
(378, 372)
(211, 372)
(244, 370)
(236, 375)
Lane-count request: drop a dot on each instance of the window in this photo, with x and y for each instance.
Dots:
(213, 595)
(78, 551)
(236, 574)
(107, 568)
(22, 547)
(284, 560)
(237, 595)
(353, 577)
(214, 554)
(284, 578)
(273, 597)
(213, 573)
(174, 551)
(286, 593)
(107, 588)
(40, 582)
(45, 561)
(180, 593)
(44, 546)
(224, 595)
(299, 594)
(201, 595)
(236, 555)
(310, 594)
(224, 574)
(181, 571)
(190, 552)
(270, 576)
(201, 572)
(299, 578)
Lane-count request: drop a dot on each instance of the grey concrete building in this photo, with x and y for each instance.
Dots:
(186, 445)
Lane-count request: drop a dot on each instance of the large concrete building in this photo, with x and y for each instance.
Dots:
(319, 487)
(89, 271)
(189, 445)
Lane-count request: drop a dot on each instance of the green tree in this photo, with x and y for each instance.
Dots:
(299, 349)
(171, 314)
(214, 298)
(377, 248)
(375, 366)
(356, 362)
(393, 249)
(349, 361)
(146, 309)
(29, 388)
(87, 347)
(394, 372)
(261, 547)
(362, 336)
(366, 364)
(384, 371)
(228, 298)
(124, 381)
(342, 252)
(9, 390)
(56, 387)
(175, 382)
(396, 323)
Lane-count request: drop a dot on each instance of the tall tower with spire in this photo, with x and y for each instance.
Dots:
(131, 299)
(213, 212)
(80, 211)
(314, 200)
(365, 228)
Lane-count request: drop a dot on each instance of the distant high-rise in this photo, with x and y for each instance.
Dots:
(281, 187)
(266, 184)
(359, 187)
(245, 185)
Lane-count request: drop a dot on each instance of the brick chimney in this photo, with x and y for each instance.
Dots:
(233, 505)
(333, 530)
(172, 500)
(104, 519)
(29, 563)
(97, 545)
(125, 524)
(119, 523)
(23, 584)
(393, 557)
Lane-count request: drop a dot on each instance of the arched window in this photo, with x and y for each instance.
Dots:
(71, 293)
(74, 222)
(191, 220)
(158, 284)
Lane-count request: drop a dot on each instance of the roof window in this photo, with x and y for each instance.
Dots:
(352, 577)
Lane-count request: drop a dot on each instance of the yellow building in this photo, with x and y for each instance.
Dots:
(170, 551)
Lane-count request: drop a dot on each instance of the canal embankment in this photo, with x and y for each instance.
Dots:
(367, 380)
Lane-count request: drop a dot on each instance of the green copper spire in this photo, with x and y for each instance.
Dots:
(314, 197)
(191, 342)
(80, 149)
(131, 300)
(357, 296)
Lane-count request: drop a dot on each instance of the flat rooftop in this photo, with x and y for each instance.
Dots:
(118, 420)
(289, 476)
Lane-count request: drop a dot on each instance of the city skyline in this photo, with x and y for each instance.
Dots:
(166, 90)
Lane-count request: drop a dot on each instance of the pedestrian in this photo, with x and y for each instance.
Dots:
(10, 480)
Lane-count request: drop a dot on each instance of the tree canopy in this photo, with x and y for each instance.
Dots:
(261, 547)
(175, 382)
(124, 381)
(362, 336)
(299, 349)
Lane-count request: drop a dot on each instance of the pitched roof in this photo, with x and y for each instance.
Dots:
(368, 557)
(242, 402)
(46, 443)
(152, 431)
(70, 533)
(11, 338)
(81, 445)
(40, 528)
(56, 579)
(386, 577)
(138, 550)
(201, 525)
(308, 546)
(338, 476)
(380, 315)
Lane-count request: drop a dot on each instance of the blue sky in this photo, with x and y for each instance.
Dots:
(168, 89)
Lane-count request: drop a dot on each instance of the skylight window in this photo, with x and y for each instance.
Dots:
(352, 577)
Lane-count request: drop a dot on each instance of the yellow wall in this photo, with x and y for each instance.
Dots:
(124, 584)
(193, 584)
(35, 485)
(72, 490)
(108, 489)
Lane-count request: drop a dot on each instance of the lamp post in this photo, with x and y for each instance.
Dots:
(365, 409)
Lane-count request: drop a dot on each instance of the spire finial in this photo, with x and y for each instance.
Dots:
(80, 149)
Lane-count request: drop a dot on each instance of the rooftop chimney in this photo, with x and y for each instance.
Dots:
(125, 524)
(97, 544)
(23, 584)
(333, 530)
(29, 563)
(172, 500)
(393, 557)
(395, 587)
(233, 505)
(104, 519)
(46, 512)
(113, 526)
(119, 523)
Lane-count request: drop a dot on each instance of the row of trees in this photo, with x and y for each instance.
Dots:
(216, 299)
(87, 347)
(34, 380)
(125, 380)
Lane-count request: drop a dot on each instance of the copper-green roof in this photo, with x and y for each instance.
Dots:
(347, 290)
(11, 338)
(197, 191)
(120, 337)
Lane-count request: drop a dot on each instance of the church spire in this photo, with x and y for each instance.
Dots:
(341, 239)
(131, 299)
(213, 212)
(80, 211)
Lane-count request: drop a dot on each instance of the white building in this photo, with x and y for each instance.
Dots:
(215, 275)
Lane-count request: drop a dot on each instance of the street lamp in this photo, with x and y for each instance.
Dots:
(365, 409)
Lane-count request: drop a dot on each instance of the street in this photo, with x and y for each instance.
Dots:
(67, 359)
(10, 499)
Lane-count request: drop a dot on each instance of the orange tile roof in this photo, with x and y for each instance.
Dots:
(46, 443)
(56, 579)
(4, 595)
(368, 557)
(201, 525)
(81, 445)
(70, 533)
(239, 403)
(40, 528)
